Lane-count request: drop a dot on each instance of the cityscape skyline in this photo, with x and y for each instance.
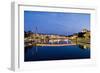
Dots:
(56, 22)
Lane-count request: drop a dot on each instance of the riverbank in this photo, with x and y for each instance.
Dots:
(50, 45)
(54, 44)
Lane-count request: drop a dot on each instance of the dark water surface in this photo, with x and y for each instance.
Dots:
(55, 53)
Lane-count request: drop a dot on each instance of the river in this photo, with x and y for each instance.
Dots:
(40, 53)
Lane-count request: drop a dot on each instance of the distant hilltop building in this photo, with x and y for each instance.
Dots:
(84, 30)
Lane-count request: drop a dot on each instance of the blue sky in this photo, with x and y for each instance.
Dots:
(56, 22)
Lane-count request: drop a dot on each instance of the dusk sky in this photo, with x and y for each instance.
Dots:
(55, 22)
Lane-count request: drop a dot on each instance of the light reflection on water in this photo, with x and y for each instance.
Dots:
(55, 53)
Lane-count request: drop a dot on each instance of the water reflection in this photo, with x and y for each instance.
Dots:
(38, 53)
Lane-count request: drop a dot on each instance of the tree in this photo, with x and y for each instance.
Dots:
(47, 39)
(81, 34)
